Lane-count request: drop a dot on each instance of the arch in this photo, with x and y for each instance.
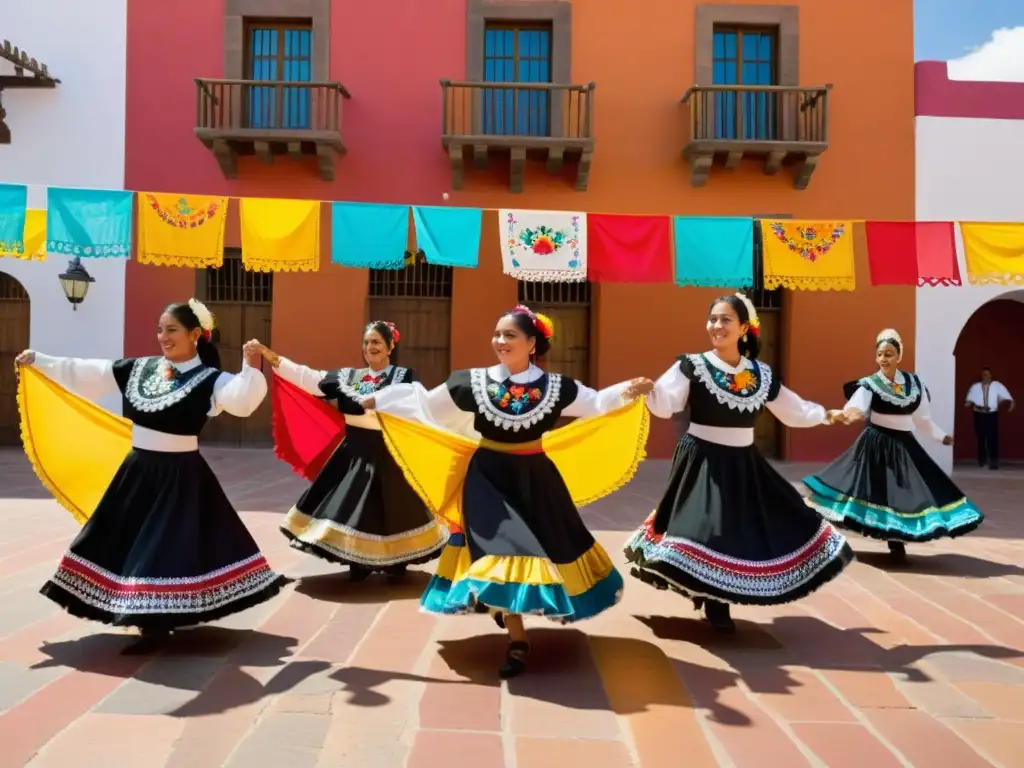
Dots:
(944, 314)
(15, 323)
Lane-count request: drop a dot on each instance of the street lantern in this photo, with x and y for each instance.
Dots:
(75, 282)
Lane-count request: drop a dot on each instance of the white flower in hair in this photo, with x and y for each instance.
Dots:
(751, 311)
(204, 315)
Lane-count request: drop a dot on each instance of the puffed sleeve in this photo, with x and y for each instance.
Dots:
(670, 394)
(793, 411)
(91, 379)
(432, 407)
(239, 394)
(923, 418)
(305, 378)
(860, 400)
(593, 402)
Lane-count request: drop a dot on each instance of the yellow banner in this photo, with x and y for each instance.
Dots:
(35, 235)
(994, 253)
(181, 230)
(280, 235)
(808, 255)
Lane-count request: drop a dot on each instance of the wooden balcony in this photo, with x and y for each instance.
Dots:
(268, 118)
(783, 125)
(525, 120)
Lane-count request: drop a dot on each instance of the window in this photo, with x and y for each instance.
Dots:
(745, 56)
(232, 283)
(418, 280)
(517, 54)
(568, 305)
(284, 53)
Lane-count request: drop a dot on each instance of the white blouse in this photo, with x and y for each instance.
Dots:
(672, 392)
(436, 408)
(308, 380)
(921, 418)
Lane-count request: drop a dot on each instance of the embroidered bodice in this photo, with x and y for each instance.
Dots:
(163, 396)
(348, 385)
(507, 409)
(721, 396)
(898, 397)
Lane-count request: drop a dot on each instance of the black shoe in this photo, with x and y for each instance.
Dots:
(499, 618)
(898, 551)
(698, 603)
(515, 660)
(717, 614)
(358, 573)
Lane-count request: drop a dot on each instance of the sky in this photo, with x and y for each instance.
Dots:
(982, 39)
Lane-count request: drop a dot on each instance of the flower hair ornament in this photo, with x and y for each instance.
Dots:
(204, 316)
(542, 323)
(891, 337)
(392, 329)
(755, 321)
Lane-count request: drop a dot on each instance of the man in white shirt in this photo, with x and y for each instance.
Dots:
(984, 398)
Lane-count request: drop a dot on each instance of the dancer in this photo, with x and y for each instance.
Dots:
(163, 548)
(885, 485)
(729, 528)
(360, 511)
(486, 457)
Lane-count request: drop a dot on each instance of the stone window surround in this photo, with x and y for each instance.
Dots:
(783, 17)
(558, 12)
(236, 12)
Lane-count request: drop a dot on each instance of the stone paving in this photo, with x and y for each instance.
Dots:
(919, 665)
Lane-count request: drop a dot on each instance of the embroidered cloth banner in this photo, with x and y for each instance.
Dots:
(89, 222)
(714, 252)
(543, 245)
(994, 253)
(35, 234)
(629, 249)
(449, 236)
(13, 202)
(912, 253)
(808, 255)
(280, 235)
(369, 235)
(182, 230)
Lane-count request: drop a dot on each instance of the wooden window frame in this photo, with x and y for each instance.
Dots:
(237, 14)
(278, 25)
(740, 30)
(557, 13)
(783, 18)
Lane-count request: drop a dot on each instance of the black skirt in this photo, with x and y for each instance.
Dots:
(360, 510)
(886, 486)
(731, 528)
(524, 548)
(163, 549)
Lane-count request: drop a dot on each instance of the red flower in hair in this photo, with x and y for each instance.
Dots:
(207, 335)
(395, 335)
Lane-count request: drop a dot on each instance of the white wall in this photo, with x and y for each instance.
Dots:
(70, 136)
(967, 170)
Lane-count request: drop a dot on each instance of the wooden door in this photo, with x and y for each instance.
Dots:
(14, 338)
(426, 328)
(570, 347)
(767, 430)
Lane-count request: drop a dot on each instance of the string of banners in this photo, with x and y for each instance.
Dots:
(187, 230)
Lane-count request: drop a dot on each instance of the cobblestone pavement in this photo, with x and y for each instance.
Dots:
(917, 665)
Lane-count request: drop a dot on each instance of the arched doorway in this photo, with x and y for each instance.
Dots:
(14, 338)
(991, 338)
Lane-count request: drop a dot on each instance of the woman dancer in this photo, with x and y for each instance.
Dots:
(729, 528)
(885, 485)
(360, 511)
(164, 548)
(489, 460)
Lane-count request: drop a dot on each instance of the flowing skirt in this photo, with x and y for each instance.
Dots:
(730, 528)
(886, 486)
(163, 549)
(360, 510)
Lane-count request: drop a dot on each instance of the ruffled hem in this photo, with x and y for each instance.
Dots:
(808, 283)
(995, 278)
(280, 265)
(317, 550)
(214, 259)
(697, 571)
(161, 622)
(887, 524)
(721, 281)
(547, 276)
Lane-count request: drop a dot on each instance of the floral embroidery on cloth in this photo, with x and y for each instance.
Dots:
(809, 242)
(357, 383)
(902, 392)
(544, 245)
(514, 398)
(514, 406)
(808, 255)
(155, 384)
(743, 390)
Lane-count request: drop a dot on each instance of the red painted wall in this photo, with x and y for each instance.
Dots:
(991, 338)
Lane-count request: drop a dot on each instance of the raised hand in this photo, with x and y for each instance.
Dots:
(251, 352)
(25, 358)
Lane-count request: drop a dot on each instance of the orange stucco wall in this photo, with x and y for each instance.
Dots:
(641, 57)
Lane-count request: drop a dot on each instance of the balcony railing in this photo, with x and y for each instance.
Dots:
(264, 107)
(774, 121)
(517, 114)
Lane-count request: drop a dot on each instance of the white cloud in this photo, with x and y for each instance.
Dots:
(1000, 59)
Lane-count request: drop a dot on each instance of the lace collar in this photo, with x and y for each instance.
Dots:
(742, 388)
(355, 386)
(156, 383)
(901, 391)
(516, 401)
